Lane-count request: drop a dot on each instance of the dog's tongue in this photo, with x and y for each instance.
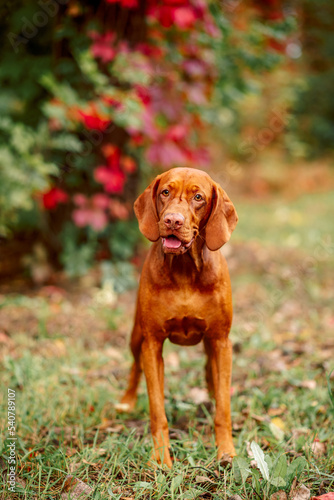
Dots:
(172, 242)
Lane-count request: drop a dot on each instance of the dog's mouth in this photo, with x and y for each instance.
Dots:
(172, 244)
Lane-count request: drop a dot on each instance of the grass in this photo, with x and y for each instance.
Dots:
(66, 357)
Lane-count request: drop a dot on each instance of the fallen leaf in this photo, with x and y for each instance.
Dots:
(4, 338)
(199, 396)
(204, 479)
(274, 412)
(93, 464)
(276, 431)
(172, 360)
(301, 493)
(279, 495)
(308, 384)
(108, 425)
(318, 448)
(278, 422)
(101, 451)
(326, 496)
(75, 489)
(70, 452)
(259, 418)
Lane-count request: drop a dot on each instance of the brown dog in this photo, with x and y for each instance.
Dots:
(184, 294)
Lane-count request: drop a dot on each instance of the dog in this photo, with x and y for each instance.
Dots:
(184, 294)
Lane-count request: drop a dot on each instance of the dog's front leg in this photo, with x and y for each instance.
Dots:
(154, 373)
(220, 352)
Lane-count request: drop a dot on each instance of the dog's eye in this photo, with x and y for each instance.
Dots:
(198, 197)
(165, 192)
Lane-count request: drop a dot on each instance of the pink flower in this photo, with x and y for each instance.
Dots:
(100, 200)
(195, 68)
(166, 154)
(118, 210)
(112, 179)
(184, 17)
(91, 212)
(177, 132)
(102, 47)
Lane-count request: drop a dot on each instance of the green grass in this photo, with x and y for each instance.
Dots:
(304, 223)
(68, 375)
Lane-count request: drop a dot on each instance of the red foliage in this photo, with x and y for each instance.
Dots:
(93, 118)
(53, 197)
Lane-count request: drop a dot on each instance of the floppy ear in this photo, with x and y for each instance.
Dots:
(146, 211)
(222, 220)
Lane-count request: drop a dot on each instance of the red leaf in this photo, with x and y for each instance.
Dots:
(326, 496)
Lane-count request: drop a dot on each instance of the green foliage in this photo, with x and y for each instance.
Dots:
(77, 256)
(24, 171)
(274, 469)
(44, 136)
(312, 123)
(123, 238)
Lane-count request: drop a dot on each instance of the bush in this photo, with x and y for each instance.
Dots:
(101, 108)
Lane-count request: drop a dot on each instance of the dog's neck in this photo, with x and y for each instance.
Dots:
(192, 258)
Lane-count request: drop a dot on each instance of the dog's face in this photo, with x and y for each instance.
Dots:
(181, 204)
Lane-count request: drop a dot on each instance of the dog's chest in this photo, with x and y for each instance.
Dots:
(188, 330)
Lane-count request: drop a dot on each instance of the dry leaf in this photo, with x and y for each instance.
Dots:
(5, 339)
(172, 360)
(301, 493)
(113, 353)
(279, 423)
(75, 489)
(93, 464)
(70, 452)
(308, 384)
(204, 479)
(101, 451)
(107, 424)
(199, 396)
(274, 412)
(225, 460)
(249, 450)
(318, 448)
(279, 495)
(259, 418)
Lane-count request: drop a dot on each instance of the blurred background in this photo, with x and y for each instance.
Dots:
(99, 97)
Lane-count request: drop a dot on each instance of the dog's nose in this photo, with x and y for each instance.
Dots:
(174, 221)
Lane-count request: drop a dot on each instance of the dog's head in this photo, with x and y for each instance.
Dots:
(181, 204)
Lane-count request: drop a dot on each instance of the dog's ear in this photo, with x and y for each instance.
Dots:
(146, 211)
(222, 220)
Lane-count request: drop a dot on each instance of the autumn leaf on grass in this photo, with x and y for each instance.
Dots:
(279, 495)
(75, 489)
(318, 448)
(326, 496)
(300, 493)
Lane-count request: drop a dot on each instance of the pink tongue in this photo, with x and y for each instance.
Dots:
(172, 242)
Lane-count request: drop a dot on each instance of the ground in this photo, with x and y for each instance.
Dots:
(64, 353)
